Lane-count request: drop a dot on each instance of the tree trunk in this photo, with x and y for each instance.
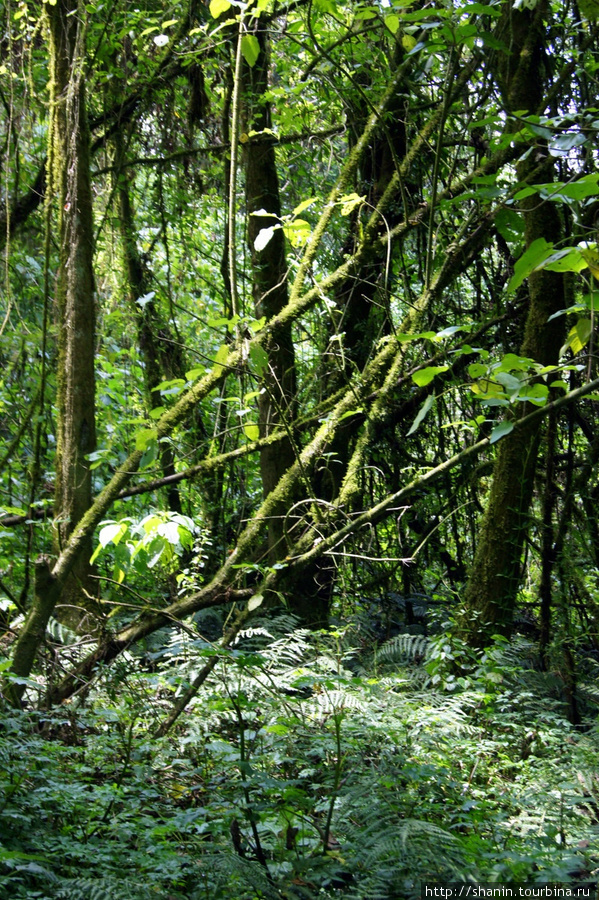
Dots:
(494, 578)
(270, 292)
(70, 179)
(161, 363)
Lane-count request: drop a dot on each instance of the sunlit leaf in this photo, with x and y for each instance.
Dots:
(424, 410)
(250, 48)
(590, 254)
(578, 336)
(537, 394)
(425, 376)
(144, 437)
(252, 432)
(218, 7)
(349, 202)
(255, 601)
(304, 205)
(264, 237)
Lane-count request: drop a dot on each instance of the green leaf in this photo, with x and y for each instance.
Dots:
(149, 454)
(255, 601)
(511, 362)
(560, 145)
(509, 224)
(257, 325)
(405, 337)
(425, 376)
(304, 205)
(351, 412)
(508, 381)
(538, 251)
(366, 12)
(218, 7)
(259, 358)
(155, 551)
(578, 336)
(144, 437)
(252, 432)
(587, 186)
(349, 202)
(297, 232)
(477, 370)
(536, 394)
(590, 254)
(424, 410)
(500, 431)
(570, 259)
(250, 47)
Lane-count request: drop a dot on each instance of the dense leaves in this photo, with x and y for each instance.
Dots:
(297, 311)
(306, 767)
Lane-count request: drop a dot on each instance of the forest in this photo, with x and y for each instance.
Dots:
(299, 446)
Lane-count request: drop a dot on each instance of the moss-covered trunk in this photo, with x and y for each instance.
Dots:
(75, 305)
(496, 570)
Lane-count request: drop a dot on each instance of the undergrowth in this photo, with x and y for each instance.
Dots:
(302, 769)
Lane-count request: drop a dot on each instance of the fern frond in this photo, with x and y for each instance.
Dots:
(412, 647)
(106, 888)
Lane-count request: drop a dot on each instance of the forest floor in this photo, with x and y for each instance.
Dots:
(309, 765)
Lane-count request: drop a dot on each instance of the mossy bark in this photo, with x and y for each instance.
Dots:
(33, 631)
(269, 288)
(494, 577)
(75, 303)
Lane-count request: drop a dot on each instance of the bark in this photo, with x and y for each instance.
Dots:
(33, 631)
(269, 288)
(75, 305)
(494, 577)
(548, 554)
(155, 340)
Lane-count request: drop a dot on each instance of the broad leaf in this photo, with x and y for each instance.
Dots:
(255, 601)
(218, 7)
(500, 431)
(250, 48)
(538, 251)
(425, 376)
(251, 431)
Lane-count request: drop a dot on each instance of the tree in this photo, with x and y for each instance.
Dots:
(395, 309)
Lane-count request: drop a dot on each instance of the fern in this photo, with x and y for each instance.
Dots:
(106, 888)
(412, 647)
(336, 702)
